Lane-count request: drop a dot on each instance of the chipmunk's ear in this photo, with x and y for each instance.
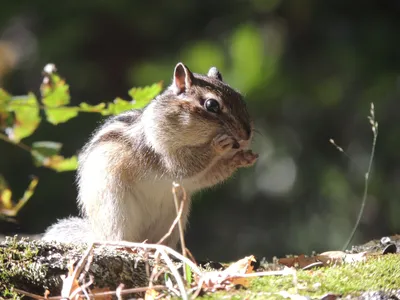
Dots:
(214, 73)
(183, 78)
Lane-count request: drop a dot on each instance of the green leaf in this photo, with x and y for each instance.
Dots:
(47, 148)
(27, 118)
(92, 108)
(55, 91)
(45, 154)
(60, 114)
(5, 98)
(118, 106)
(41, 151)
(55, 95)
(61, 164)
(142, 96)
(38, 158)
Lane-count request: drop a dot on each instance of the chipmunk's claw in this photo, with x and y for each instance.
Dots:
(245, 158)
(224, 143)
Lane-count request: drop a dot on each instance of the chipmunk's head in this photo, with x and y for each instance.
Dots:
(195, 108)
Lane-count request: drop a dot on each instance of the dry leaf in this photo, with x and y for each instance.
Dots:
(228, 278)
(324, 259)
(242, 266)
(339, 257)
(300, 261)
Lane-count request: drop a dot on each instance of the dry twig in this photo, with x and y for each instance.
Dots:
(178, 217)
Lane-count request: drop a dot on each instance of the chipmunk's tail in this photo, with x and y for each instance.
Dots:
(71, 230)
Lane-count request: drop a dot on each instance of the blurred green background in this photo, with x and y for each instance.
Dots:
(309, 70)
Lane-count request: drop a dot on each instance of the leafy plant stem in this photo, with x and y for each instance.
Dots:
(19, 144)
(44, 108)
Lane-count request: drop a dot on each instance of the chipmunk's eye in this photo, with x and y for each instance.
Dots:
(212, 105)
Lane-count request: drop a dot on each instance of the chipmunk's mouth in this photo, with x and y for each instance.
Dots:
(236, 145)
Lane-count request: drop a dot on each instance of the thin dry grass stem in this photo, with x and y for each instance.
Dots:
(340, 149)
(82, 288)
(182, 204)
(67, 288)
(154, 274)
(34, 296)
(374, 128)
(177, 206)
(332, 141)
(84, 285)
(177, 219)
(175, 273)
(190, 255)
(119, 291)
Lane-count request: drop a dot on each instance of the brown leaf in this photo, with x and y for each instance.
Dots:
(300, 261)
(228, 278)
(242, 266)
(324, 259)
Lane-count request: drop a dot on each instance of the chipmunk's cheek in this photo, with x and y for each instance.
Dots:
(244, 144)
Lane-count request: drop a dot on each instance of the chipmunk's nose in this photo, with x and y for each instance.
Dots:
(249, 131)
(243, 137)
(246, 132)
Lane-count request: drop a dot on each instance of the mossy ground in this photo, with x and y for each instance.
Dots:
(377, 274)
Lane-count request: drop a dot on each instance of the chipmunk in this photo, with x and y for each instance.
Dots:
(196, 133)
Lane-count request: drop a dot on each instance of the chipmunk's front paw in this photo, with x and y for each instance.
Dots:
(244, 158)
(224, 143)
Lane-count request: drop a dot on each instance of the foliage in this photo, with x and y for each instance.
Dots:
(20, 116)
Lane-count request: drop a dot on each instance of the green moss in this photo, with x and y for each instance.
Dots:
(14, 260)
(378, 274)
